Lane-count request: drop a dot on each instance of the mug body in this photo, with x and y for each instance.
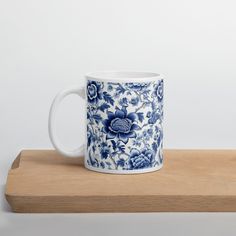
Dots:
(124, 122)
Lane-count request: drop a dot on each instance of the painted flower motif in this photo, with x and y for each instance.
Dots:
(104, 150)
(90, 137)
(154, 117)
(109, 87)
(124, 102)
(158, 135)
(121, 162)
(102, 165)
(150, 131)
(137, 86)
(134, 101)
(94, 91)
(138, 141)
(159, 91)
(120, 125)
(141, 159)
(146, 135)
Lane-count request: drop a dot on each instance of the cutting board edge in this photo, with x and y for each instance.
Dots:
(160, 203)
(77, 204)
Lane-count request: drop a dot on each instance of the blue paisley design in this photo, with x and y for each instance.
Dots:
(124, 125)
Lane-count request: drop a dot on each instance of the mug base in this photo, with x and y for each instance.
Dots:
(124, 172)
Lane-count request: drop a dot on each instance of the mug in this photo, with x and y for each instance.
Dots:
(124, 122)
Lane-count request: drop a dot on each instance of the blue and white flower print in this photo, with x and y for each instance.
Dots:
(137, 86)
(140, 160)
(124, 125)
(94, 91)
(158, 92)
(120, 125)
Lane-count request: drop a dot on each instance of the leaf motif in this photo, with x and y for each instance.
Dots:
(88, 115)
(120, 89)
(149, 114)
(146, 92)
(154, 105)
(113, 144)
(104, 106)
(107, 97)
(140, 116)
(134, 101)
(93, 148)
(97, 118)
(154, 147)
(121, 147)
(121, 162)
(123, 102)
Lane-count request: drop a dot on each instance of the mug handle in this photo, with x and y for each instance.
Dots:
(51, 122)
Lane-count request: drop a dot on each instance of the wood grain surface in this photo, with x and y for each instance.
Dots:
(191, 180)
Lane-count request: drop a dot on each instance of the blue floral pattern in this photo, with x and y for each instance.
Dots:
(124, 125)
(94, 91)
(141, 159)
(120, 125)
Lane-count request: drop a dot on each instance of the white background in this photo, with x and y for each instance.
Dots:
(48, 45)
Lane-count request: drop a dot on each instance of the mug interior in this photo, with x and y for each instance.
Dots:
(123, 76)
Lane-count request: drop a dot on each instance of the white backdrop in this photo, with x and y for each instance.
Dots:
(48, 45)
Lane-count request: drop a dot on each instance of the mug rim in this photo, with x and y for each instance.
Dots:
(123, 76)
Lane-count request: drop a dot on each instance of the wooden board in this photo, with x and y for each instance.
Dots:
(191, 180)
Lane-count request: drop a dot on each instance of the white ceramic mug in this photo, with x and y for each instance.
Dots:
(124, 122)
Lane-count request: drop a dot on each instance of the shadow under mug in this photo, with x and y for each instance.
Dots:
(124, 122)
